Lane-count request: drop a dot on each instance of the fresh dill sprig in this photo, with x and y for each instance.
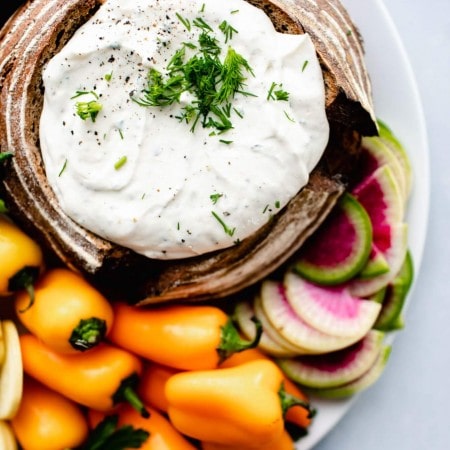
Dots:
(184, 21)
(120, 162)
(277, 94)
(88, 109)
(227, 30)
(226, 228)
(63, 168)
(212, 83)
(215, 198)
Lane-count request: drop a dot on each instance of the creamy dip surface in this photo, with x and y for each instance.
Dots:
(140, 176)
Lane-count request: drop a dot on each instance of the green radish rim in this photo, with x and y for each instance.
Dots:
(349, 267)
(390, 318)
(376, 265)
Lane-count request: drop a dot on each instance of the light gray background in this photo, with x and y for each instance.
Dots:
(409, 407)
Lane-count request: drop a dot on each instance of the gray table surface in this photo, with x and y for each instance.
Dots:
(408, 408)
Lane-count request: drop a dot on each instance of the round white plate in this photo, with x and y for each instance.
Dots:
(397, 103)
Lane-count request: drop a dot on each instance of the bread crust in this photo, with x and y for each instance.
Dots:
(41, 27)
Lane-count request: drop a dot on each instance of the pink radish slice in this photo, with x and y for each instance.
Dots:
(292, 327)
(335, 368)
(340, 248)
(363, 382)
(395, 256)
(380, 196)
(376, 153)
(244, 313)
(272, 333)
(331, 310)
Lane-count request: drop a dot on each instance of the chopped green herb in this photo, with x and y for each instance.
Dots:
(178, 225)
(108, 77)
(184, 21)
(289, 117)
(227, 230)
(277, 94)
(265, 209)
(88, 109)
(63, 168)
(227, 30)
(80, 93)
(305, 64)
(202, 9)
(277, 204)
(215, 198)
(200, 23)
(120, 162)
(349, 32)
(120, 133)
(225, 142)
(212, 82)
(235, 11)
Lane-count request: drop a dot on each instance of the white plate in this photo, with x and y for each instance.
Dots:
(397, 103)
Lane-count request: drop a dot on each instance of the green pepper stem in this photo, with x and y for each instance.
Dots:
(231, 341)
(126, 392)
(25, 279)
(288, 401)
(88, 333)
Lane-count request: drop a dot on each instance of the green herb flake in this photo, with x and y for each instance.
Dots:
(120, 162)
(80, 93)
(184, 21)
(235, 11)
(265, 209)
(228, 230)
(202, 9)
(225, 142)
(108, 77)
(215, 198)
(200, 23)
(63, 168)
(86, 110)
(227, 30)
(349, 32)
(277, 94)
(291, 119)
(305, 64)
(277, 204)
(178, 225)
(120, 133)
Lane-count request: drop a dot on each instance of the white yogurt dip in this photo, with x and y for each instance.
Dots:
(138, 175)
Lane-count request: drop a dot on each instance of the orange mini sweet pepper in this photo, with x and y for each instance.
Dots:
(190, 337)
(68, 314)
(98, 379)
(240, 407)
(48, 420)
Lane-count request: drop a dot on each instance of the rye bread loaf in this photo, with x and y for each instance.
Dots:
(41, 27)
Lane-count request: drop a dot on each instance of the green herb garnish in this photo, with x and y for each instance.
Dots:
(277, 94)
(277, 204)
(212, 82)
(4, 156)
(229, 231)
(225, 142)
(289, 117)
(120, 133)
(227, 30)
(90, 109)
(63, 168)
(108, 77)
(3, 208)
(305, 64)
(184, 21)
(215, 198)
(120, 162)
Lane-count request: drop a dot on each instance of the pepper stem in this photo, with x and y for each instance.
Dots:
(288, 401)
(25, 279)
(126, 392)
(88, 333)
(231, 341)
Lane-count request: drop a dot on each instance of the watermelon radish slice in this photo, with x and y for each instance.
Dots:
(390, 317)
(335, 368)
(243, 314)
(292, 327)
(330, 309)
(361, 383)
(380, 196)
(395, 255)
(376, 264)
(375, 153)
(388, 137)
(340, 248)
(273, 333)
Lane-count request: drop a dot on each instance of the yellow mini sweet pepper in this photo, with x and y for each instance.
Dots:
(240, 407)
